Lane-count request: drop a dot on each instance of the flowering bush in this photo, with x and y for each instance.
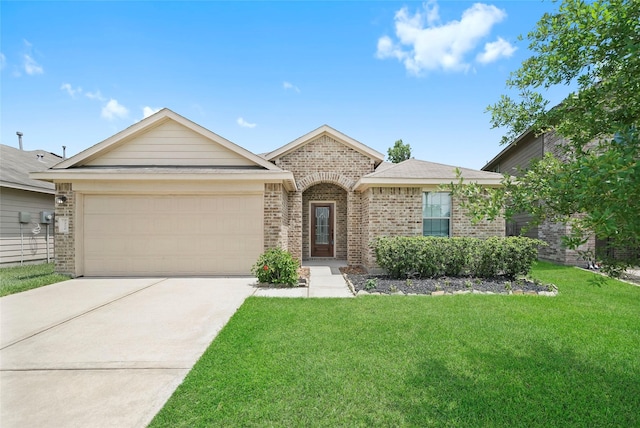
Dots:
(276, 266)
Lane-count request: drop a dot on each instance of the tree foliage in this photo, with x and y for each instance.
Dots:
(595, 187)
(399, 152)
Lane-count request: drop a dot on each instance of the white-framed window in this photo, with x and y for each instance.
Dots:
(436, 214)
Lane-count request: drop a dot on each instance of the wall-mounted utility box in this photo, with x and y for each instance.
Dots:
(46, 217)
(24, 217)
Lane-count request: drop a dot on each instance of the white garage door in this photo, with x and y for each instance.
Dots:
(171, 235)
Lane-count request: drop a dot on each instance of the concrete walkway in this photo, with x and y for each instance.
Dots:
(325, 281)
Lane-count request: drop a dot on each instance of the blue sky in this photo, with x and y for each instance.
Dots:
(261, 74)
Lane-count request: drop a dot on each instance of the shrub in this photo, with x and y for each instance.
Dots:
(520, 253)
(276, 266)
(405, 257)
(371, 284)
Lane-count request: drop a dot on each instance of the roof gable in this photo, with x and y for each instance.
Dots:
(166, 139)
(336, 135)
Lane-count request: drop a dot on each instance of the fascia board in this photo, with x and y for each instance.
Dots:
(28, 188)
(62, 176)
(367, 182)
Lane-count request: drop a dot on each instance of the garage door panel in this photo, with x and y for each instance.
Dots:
(145, 235)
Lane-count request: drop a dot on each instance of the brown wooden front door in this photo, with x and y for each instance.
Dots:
(322, 229)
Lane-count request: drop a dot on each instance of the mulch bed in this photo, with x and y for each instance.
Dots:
(449, 285)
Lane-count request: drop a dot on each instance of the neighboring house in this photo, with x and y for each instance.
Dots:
(517, 157)
(169, 197)
(23, 231)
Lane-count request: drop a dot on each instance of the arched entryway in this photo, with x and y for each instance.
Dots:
(324, 221)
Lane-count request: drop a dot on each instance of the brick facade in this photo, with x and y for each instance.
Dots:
(276, 227)
(65, 249)
(397, 211)
(461, 224)
(552, 233)
(326, 170)
(325, 159)
(390, 211)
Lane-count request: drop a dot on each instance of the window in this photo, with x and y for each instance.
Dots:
(436, 214)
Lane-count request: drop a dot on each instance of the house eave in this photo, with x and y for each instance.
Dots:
(70, 175)
(367, 182)
(491, 164)
(18, 186)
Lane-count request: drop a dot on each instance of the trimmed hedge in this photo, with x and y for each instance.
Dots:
(428, 257)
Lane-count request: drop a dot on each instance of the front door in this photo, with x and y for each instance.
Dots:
(322, 229)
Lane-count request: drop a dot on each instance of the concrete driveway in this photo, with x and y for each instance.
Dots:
(106, 352)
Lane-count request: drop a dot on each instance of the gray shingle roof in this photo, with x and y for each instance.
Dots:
(16, 165)
(414, 168)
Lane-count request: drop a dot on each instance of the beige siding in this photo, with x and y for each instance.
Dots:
(171, 235)
(26, 246)
(170, 144)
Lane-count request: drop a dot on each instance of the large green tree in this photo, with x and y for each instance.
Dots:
(593, 47)
(399, 152)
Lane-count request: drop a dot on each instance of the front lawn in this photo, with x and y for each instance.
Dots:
(21, 278)
(466, 360)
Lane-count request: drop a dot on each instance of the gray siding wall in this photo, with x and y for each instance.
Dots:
(521, 156)
(31, 247)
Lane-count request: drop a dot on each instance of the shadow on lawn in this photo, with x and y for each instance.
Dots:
(539, 386)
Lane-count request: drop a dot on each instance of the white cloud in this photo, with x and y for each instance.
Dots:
(70, 90)
(496, 50)
(424, 44)
(113, 110)
(433, 12)
(97, 95)
(148, 111)
(245, 124)
(388, 49)
(31, 67)
(288, 85)
(3, 61)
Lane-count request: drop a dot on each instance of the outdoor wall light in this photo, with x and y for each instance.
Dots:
(61, 199)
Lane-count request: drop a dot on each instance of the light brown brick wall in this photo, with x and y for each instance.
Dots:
(65, 256)
(324, 155)
(325, 169)
(461, 224)
(365, 229)
(295, 224)
(275, 216)
(354, 228)
(392, 211)
(326, 192)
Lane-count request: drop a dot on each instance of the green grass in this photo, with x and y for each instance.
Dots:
(21, 278)
(469, 360)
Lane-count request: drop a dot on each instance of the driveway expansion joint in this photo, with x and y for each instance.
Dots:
(66, 320)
